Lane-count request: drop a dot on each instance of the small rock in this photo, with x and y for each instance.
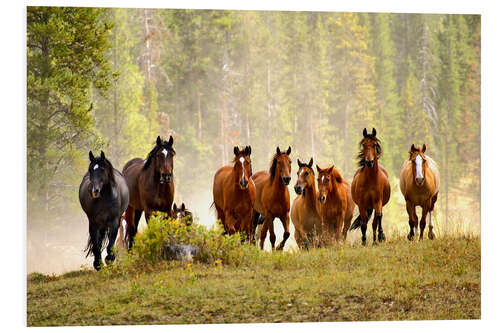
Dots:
(182, 252)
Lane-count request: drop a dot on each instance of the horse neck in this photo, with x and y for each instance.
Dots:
(277, 186)
(311, 195)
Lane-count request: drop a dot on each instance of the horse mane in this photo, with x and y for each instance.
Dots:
(336, 174)
(153, 152)
(274, 164)
(361, 155)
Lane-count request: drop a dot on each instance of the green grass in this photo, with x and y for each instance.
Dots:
(398, 280)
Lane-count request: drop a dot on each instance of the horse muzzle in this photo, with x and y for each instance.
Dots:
(243, 184)
(286, 180)
(369, 163)
(322, 199)
(165, 178)
(95, 193)
(298, 189)
(419, 181)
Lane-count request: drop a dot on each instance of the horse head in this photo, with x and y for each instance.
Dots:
(370, 149)
(242, 166)
(100, 174)
(305, 177)
(326, 181)
(281, 166)
(162, 158)
(419, 163)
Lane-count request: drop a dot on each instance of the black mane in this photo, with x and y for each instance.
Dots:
(361, 155)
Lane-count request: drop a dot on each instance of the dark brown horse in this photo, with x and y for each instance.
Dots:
(104, 196)
(419, 183)
(336, 206)
(234, 193)
(151, 185)
(182, 214)
(273, 198)
(304, 213)
(370, 187)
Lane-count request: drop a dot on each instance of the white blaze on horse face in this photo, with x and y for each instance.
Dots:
(164, 152)
(322, 178)
(96, 166)
(242, 160)
(418, 162)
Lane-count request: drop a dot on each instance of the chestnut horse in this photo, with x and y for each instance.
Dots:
(304, 213)
(234, 193)
(419, 183)
(370, 187)
(336, 206)
(273, 198)
(151, 185)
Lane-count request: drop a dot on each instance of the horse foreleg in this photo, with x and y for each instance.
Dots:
(425, 209)
(272, 235)
(413, 219)
(263, 234)
(286, 226)
(364, 224)
(431, 224)
(96, 240)
(113, 230)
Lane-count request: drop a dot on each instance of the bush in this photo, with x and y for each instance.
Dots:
(214, 247)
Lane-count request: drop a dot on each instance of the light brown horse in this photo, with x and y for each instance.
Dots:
(336, 206)
(370, 187)
(419, 183)
(273, 198)
(304, 213)
(234, 193)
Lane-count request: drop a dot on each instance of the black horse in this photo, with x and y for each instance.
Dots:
(104, 197)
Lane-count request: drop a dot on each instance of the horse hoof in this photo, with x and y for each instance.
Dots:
(410, 237)
(109, 259)
(381, 238)
(431, 234)
(97, 265)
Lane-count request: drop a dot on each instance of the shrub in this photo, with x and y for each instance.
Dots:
(227, 249)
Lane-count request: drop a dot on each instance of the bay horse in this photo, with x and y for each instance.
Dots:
(181, 214)
(234, 193)
(151, 185)
(104, 196)
(370, 188)
(304, 213)
(336, 206)
(419, 183)
(273, 198)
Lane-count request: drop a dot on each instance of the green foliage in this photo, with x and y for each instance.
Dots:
(214, 247)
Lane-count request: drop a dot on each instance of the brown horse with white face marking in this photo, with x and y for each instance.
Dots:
(419, 183)
(273, 198)
(150, 183)
(304, 213)
(234, 193)
(370, 187)
(336, 206)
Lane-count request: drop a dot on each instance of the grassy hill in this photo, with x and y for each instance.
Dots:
(398, 280)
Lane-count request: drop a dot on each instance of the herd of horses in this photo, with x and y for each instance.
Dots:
(249, 202)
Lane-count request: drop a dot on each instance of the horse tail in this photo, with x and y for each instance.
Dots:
(90, 243)
(357, 222)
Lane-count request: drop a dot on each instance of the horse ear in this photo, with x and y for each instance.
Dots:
(424, 148)
(318, 168)
(412, 148)
(374, 132)
(183, 207)
(236, 150)
(171, 141)
(102, 155)
(158, 141)
(310, 163)
(299, 163)
(174, 208)
(248, 150)
(278, 150)
(289, 150)
(91, 156)
(365, 133)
